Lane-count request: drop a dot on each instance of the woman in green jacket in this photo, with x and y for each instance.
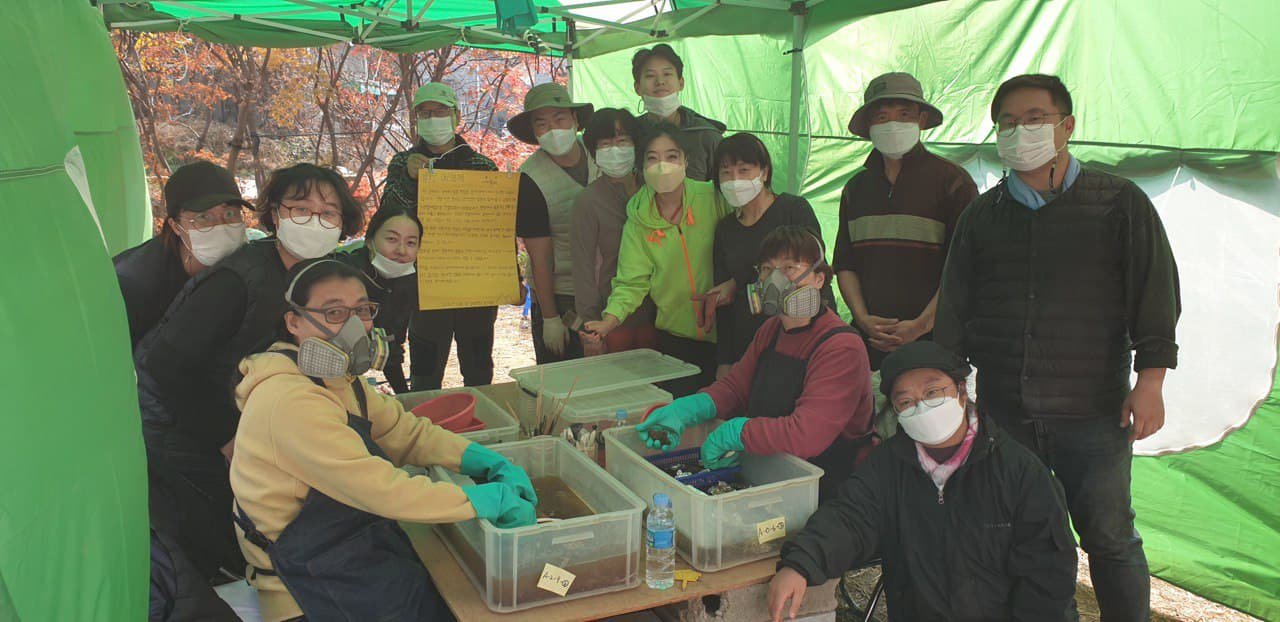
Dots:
(666, 255)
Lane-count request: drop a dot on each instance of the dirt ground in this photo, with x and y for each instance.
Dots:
(1168, 602)
(513, 349)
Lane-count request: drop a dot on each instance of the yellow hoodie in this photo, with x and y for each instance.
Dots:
(293, 437)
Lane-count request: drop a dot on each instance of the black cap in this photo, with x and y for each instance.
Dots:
(199, 186)
(920, 355)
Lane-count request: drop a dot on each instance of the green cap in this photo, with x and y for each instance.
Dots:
(549, 95)
(435, 92)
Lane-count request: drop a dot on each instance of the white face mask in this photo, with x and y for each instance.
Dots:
(1026, 149)
(932, 425)
(616, 161)
(739, 192)
(662, 106)
(209, 247)
(893, 139)
(436, 130)
(664, 177)
(307, 241)
(389, 268)
(558, 142)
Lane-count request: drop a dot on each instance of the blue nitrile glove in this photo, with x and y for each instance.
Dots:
(500, 504)
(480, 460)
(724, 439)
(675, 417)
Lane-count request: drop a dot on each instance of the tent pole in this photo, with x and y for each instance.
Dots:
(798, 11)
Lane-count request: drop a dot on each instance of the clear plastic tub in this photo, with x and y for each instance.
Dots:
(499, 426)
(602, 408)
(722, 531)
(591, 376)
(602, 550)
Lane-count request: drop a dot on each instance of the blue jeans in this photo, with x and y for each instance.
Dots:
(1093, 459)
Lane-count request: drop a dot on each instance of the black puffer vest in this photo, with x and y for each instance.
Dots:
(1047, 327)
(258, 265)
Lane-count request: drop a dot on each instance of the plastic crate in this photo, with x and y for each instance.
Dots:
(721, 531)
(602, 549)
(602, 408)
(499, 426)
(593, 375)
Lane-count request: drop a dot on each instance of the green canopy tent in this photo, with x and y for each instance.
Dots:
(1177, 95)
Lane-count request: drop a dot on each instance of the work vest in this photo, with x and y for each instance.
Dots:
(560, 190)
(258, 266)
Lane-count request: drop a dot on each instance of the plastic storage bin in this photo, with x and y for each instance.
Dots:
(593, 375)
(499, 426)
(602, 408)
(722, 531)
(603, 550)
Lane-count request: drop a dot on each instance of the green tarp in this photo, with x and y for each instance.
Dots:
(73, 512)
(1182, 96)
(403, 27)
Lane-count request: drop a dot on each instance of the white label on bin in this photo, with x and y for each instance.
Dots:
(772, 529)
(555, 580)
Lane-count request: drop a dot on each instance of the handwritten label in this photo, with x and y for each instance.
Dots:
(467, 257)
(555, 580)
(772, 529)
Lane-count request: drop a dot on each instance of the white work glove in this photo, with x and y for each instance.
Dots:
(555, 335)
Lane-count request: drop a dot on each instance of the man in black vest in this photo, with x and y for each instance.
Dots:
(1052, 278)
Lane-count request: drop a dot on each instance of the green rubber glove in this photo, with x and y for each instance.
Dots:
(500, 504)
(479, 460)
(724, 439)
(675, 417)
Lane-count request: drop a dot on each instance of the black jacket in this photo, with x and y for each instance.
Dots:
(150, 276)
(186, 365)
(398, 300)
(1048, 303)
(402, 190)
(992, 546)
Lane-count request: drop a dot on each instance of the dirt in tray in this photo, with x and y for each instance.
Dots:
(592, 575)
(557, 500)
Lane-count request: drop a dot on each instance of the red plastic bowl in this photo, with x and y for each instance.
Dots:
(452, 411)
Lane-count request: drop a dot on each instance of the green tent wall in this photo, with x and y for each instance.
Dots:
(73, 515)
(1180, 96)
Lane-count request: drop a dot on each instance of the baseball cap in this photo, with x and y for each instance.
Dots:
(198, 186)
(438, 92)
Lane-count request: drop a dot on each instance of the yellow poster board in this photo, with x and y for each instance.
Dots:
(467, 257)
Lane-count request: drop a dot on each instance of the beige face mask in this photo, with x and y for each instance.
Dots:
(664, 177)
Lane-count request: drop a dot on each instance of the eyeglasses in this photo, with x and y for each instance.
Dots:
(1033, 121)
(791, 271)
(329, 218)
(933, 398)
(205, 221)
(338, 315)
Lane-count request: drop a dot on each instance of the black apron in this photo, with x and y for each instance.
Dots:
(775, 389)
(340, 563)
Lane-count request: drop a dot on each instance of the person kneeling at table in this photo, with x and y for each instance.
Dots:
(803, 386)
(969, 523)
(315, 469)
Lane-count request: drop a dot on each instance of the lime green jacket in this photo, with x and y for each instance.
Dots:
(668, 262)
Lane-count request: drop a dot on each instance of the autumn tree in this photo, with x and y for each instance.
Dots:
(343, 105)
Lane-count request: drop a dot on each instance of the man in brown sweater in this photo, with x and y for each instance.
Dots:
(896, 218)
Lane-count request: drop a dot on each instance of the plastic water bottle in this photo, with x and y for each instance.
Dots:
(660, 544)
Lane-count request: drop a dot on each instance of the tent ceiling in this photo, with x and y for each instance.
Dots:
(414, 25)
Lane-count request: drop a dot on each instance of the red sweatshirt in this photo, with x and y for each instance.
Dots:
(836, 399)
